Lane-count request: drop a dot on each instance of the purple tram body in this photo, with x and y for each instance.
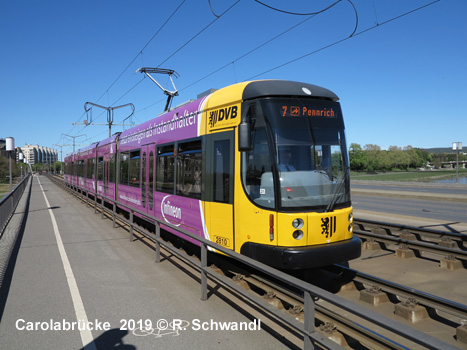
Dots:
(129, 179)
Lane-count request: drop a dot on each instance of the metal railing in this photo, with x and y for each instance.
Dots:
(9, 202)
(311, 293)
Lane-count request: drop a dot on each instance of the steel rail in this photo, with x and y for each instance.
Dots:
(415, 245)
(310, 292)
(428, 300)
(438, 234)
(353, 329)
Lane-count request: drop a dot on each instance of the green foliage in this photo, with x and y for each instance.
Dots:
(371, 158)
(5, 169)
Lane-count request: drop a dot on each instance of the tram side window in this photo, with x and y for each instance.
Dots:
(90, 167)
(80, 169)
(100, 169)
(124, 167)
(189, 163)
(165, 172)
(221, 171)
(135, 168)
(130, 168)
(112, 168)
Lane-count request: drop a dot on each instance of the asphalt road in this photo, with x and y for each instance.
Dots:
(443, 202)
(409, 187)
(446, 211)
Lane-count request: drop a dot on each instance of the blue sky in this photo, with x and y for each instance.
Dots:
(404, 82)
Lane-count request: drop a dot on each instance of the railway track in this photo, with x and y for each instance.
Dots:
(414, 307)
(449, 248)
(347, 331)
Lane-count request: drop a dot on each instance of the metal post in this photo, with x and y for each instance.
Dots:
(131, 225)
(457, 146)
(309, 322)
(158, 245)
(11, 182)
(114, 213)
(204, 279)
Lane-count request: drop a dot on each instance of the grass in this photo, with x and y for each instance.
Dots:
(409, 176)
(5, 186)
(4, 189)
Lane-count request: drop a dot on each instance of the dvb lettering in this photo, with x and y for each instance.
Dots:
(222, 114)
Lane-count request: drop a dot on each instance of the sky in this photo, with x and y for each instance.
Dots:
(398, 67)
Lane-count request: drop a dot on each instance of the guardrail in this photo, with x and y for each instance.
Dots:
(9, 202)
(310, 292)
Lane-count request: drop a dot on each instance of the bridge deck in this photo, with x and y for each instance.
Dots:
(73, 265)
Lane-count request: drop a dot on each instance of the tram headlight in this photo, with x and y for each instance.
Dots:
(298, 234)
(350, 228)
(298, 223)
(350, 217)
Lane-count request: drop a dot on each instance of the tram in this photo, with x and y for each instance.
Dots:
(259, 167)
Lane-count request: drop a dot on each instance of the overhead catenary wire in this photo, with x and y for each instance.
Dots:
(141, 51)
(298, 58)
(259, 46)
(197, 34)
(298, 13)
(129, 64)
(174, 53)
(344, 39)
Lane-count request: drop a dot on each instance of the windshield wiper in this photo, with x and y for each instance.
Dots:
(338, 192)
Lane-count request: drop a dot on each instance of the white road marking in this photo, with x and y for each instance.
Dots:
(86, 335)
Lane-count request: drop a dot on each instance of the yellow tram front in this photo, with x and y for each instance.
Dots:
(291, 194)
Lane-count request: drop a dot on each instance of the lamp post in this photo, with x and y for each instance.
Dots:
(21, 160)
(457, 146)
(10, 147)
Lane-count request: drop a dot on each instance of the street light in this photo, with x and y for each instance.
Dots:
(10, 147)
(457, 146)
(21, 160)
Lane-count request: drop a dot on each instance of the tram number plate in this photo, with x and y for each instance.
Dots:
(222, 241)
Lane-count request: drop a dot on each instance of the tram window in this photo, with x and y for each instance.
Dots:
(221, 171)
(135, 168)
(124, 167)
(112, 168)
(90, 167)
(80, 168)
(100, 169)
(257, 170)
(165, 172)
(189, 163)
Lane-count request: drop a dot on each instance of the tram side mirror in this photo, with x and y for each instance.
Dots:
(244, 137)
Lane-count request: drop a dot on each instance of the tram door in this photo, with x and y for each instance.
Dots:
(219, 188)
(147, 178)
(106, 176)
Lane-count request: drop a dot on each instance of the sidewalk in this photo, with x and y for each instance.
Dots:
(120, 287)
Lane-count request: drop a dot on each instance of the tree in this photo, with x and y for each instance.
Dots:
(357, 157)
(5, 169)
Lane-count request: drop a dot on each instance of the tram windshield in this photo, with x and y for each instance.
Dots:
(298, 159)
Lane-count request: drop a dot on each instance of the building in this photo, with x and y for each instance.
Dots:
(34, 154)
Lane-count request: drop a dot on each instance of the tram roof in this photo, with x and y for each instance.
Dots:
(263, 88)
